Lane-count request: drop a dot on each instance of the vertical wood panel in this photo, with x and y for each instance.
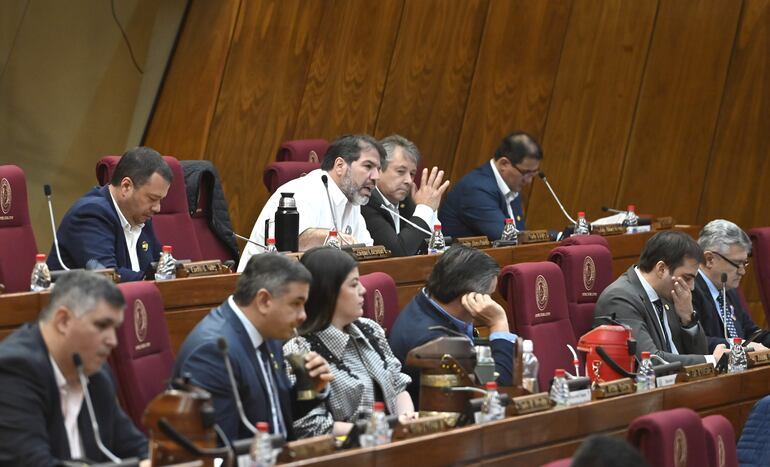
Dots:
(430, 75)
(182, 116)
(261, 92)
(678, 107)
(514, 77)
(347, 73)
(592, 107)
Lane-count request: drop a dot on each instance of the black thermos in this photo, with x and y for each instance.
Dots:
(287, 224)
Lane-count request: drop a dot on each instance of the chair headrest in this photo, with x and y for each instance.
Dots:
(14, 207)
(302, 150)
(587, 270)
(144, 330)
(535, 292)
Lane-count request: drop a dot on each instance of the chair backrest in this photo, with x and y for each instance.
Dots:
(143, 360)
(566, 462)
(278, 173)
(760, 240)
(670, 438)
(592, 239)
(380, 299)
(537, 310)
(104, 168)
(302, 150)
(17, 240)
(587, 272)
(720, 441)
(210, 245)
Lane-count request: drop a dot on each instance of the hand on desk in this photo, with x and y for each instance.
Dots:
(720, 350)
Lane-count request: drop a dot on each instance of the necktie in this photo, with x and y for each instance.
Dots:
(265, 362)
(662, 317)
(726, 312)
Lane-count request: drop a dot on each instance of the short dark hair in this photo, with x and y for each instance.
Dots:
(329, 268)
(671, 247)
(349, 148)
(461, 270)
(270, 271)
(517, 146)
(81, 292)
(139, 164)
(606, 451)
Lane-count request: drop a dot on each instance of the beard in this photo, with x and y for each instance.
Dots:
(353, 191)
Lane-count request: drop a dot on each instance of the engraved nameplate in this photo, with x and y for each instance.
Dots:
(529, 404)
(475, 242)
(201, 268)
(696, 372)
(608, 229)
(533, 236)
(662, 223)
(579, 397)
(421, 426)
(363, 253)
(307, 448)
(663, 381)
(758, 358)
(614, 388)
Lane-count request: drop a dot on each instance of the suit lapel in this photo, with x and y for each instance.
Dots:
(650, 314)
(376, 201)
(121, 248)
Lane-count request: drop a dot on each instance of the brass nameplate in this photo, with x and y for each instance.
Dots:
(533, 236)
(608, 229)
(758, 358)
(307, 448)
(614, 388)
(109, 273)
(201, 268)
(475, 242)
(530, 404)
(662, 223)
(363, 253)
(696, 372)
(420, 427)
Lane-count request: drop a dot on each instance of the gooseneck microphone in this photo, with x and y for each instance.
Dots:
(325, 180)
(246, 239)
(541, 174)
(387, 208)
(48, 194)
(616, 211)
(222, 345)
(723, 279)
(90, 406)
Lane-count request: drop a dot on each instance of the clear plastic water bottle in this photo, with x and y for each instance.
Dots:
(645, 374)
(377, 430)
(492, 409)
(581, 226)
(530, 368)
(271, 246)
(166, 265)
(559, 389)
(510, 232)
(262, 454)
(41, 276)
(738, 361)
(436, 243)
(332, 239)
(631, 219)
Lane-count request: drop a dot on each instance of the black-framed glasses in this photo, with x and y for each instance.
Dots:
(744, 264)
(526, 173)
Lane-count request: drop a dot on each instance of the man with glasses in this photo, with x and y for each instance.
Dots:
(484, 198)
(726, 250)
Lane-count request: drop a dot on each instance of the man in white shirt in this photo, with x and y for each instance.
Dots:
(351, 166)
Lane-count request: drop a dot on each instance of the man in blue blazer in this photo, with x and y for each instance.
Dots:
(267, 306)
(456, 294)
(110, 226)
(43, 415)
(726, 249)
(484, 198)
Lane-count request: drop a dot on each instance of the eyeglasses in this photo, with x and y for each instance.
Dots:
(526, 173)
(744, 264)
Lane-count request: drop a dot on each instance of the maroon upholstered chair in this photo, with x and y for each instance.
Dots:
(670, 438)
(587, 272)
(537, 310)
(720, 441)
(278, 173)
(210, 245)
(302, 150)
(566, 462)
(17, 240)
(592, 239)
(143, 360)
(760, 240)
(380, 299)
(104, 168)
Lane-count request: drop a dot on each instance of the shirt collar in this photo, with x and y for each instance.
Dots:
(501, 185)
(61, 382)
(336, 340)
(123, 221)
(385, 200)
(653, 296)
(712, 287)
(462, 326)
(254, 335)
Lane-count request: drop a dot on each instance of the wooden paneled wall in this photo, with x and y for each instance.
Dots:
(661, 103)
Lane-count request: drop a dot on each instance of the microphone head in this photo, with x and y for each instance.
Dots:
(541, 174)
(325, 180)
(605, 208)
(47, 189)
(724, 277)
(77, 360)
(222, 345)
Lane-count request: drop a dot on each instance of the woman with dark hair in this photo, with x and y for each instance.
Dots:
(362, 363)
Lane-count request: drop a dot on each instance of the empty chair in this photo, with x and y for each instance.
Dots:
(720, 441)
(537, 310)
(278, 173)
(670, 438)
(302, 150)
(142, 360)
(587, 272)
(380, 299)
(17, 240)
(760, 241)
(592, 239)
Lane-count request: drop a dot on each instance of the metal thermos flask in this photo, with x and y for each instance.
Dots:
(287, 224)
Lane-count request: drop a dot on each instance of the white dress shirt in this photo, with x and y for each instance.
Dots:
(313, 208)
(131, 233)
(71, 400)
(503, 187)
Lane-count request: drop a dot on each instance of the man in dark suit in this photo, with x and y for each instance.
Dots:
(395, 193)
(110, 226)
(43, 417)
(456, 294)
(726, 250)
(266, 308)
(481, 201)
(654, 299)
